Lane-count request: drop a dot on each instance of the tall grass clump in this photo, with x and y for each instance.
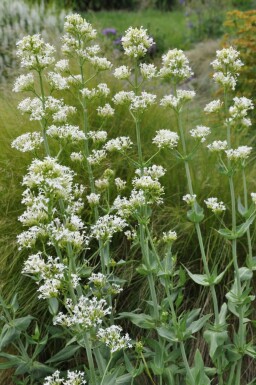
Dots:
(103, 238)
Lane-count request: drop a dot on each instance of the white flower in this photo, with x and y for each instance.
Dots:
(101, 90)
(123, 97)
(111, 336)
(121, 143)
(93, 199)
(189, 199)
(100, 63)
(86, 313)
(155, 172)
(35, 53)
(75, 25)
(136, 42)
(151, 187)
(98, 136)
(214, 205)
(227, 61)
(105, 111)
(228, 80)
(62, 66)
(28, 142)
(240, 153)
(141, 102)
(96, 156)
(122, 72)
(218, 145)
(67, 132)
(24, 83)
(120, 184)
(57, 81)
(175, 66)
(148, 71)
(200, 132)
(239, 111)
(99, 280)
(176, 102)
(170, 236)
(166, 138)
(102, 184)
(253, 196)
(107, 226)
(213, 106)
(76, 157)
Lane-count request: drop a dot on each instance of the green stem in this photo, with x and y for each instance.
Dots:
(185, 361)
(106, 370)
(248, 233)
(44, 125)
(90, 359)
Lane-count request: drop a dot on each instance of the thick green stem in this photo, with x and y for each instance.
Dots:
(248, 233)
(90, 359)
(186, 364)
(106, 370)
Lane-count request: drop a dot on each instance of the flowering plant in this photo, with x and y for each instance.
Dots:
(71, 226)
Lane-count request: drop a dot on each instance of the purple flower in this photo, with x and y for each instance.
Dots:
(109, 31)
(118, 41)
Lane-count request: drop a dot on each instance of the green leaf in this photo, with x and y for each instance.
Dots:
(215, 339)
(241, 230)
(142, 320)
(14, 303)
(241, 209)
(195, 326)
(22, 323)
(64, 354)
(196, 214)
(8, 335)
(167, 334)
(245, 274)
(53, 305)
(200, 279)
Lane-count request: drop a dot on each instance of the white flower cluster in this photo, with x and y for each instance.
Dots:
(106, 111)
(227, 64)
(151, 188)
(200, 132)
(122, 72)
(96, 157)
(148, 71)
(24, 83)
(129, 207)
(76, 156)
(166, 138)
(49, 176)
(141, 102)
(67, 234)
(51, 272)
(62, 66)
(170, 236)
(214, 205)
(107, 226)
(189, 198)
(34, 53)
(85, 314)
(240, 153)
(67, 132)
(121, 143)
(28, 142)
(100, 284)
(218, 145)
(175, 66)
(155, 172)
(51, 107)
(136, 42)
(73, 378)
(123, 97)
(93, 199)
(111, 336)
(213, 106)
(97, 136)
(120, 184)
(101, 90)
(238, 112)
(76, 26)
(57, 81)
(177, 102)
